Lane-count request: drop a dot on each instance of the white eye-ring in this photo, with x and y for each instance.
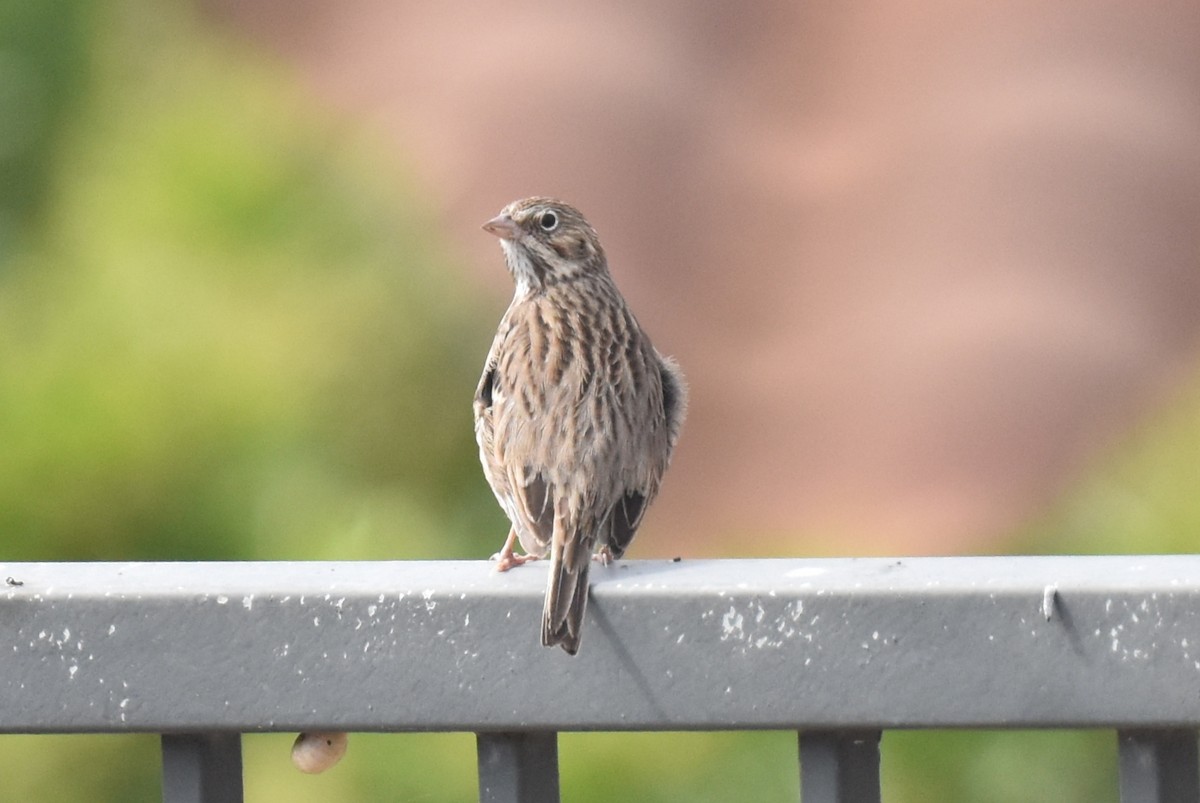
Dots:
(548, 221)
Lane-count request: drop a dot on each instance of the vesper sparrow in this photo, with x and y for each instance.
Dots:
(576, 414)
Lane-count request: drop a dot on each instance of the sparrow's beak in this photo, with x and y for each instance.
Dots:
(503, 227)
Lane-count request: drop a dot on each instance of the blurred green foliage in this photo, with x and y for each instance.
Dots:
(42, 80)
(228, 337)
(1000, 766)
(228, 331)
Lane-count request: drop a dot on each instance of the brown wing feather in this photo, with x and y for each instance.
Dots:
(624, 521)
(533, 501)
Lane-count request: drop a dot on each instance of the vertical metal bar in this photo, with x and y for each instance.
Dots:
(1159, 766)
(202, 768)
(839, 766)
(518, 767)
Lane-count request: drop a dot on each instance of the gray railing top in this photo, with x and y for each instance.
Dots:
(868, 643)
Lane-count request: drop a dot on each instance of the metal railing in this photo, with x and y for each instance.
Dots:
(838, 650)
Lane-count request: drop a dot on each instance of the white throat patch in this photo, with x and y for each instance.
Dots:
(522, 269)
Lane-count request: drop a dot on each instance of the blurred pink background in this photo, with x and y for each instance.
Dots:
(921, 262)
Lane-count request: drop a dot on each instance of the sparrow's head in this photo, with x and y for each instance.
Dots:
(547, 242)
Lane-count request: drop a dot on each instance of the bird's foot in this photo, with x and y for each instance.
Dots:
(507, 559)
(604, 555)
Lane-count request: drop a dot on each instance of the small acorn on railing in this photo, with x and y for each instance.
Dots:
(317, 752)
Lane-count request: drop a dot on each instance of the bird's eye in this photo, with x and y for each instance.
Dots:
(548, 221)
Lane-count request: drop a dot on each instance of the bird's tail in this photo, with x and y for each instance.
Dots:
(566, 595)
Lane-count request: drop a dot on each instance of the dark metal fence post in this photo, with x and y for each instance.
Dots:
(202, 768)
(518, 767)
(839, 766)
(1159, 766)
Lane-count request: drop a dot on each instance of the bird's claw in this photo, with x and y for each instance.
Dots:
(508, 560)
